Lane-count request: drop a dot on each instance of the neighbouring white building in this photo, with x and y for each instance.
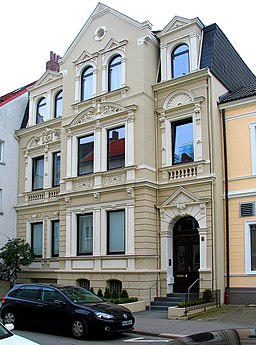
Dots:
(12, 110)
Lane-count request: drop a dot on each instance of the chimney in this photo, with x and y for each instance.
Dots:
(53, 63)
(115, 135)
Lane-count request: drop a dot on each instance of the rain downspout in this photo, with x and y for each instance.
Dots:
(226, 206)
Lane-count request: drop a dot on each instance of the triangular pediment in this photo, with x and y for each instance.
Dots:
(85, 55)
(178, 23)
(47, 77)
(181, 196)
(113, 44)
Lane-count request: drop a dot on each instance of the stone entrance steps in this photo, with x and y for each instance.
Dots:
(171, 300)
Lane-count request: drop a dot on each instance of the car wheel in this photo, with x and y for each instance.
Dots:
(9, 317)
(79, 328)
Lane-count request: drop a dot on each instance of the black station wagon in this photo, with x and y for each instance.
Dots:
(65, 307)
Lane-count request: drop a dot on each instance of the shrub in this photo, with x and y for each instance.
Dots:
(116, 298)
(114, 295)
(207, 295)
(107, 294)
(100, 293)
(124, 300)
(124, 294)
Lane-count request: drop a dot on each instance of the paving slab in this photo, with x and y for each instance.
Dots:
(157, 323)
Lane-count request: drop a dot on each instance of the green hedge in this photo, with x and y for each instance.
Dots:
(117, 298)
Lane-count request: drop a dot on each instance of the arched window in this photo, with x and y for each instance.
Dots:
(180, 61)
(58, 104)
(84, 283)
(114, 73)
(86, 83)
(41, 110)
(115, 285)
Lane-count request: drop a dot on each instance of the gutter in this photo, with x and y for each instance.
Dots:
(226, 205)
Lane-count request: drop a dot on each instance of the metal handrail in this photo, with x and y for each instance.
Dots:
(150, 294)
(192, 286)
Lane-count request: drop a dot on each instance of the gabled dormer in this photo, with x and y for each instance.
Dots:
(180, 43)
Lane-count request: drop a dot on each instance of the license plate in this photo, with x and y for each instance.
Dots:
(128, 322)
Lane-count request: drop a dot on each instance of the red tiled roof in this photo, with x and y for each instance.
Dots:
(13, 94)
(117, 148)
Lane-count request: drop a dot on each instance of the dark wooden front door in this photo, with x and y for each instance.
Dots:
(186, 255)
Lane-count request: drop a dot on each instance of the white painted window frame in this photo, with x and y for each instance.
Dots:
(105, 67)
(167, 139)
(78, 80)
(99, 228)
(252, 127)
(29, 233)
(247, 249)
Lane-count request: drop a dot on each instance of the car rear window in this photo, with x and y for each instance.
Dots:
(28, 292)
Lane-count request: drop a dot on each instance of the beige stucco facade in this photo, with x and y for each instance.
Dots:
(239, 117)
(153, 192)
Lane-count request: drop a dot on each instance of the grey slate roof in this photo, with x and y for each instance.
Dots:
(243, 92)
(224, 62)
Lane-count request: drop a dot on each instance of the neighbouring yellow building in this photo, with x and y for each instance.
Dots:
(238, 110)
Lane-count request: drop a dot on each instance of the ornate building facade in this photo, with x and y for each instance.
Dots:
(120, 180)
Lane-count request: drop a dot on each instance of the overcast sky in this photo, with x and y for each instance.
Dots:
(30, 29)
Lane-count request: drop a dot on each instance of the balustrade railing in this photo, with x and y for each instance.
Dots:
(42, 196)
(185, 171)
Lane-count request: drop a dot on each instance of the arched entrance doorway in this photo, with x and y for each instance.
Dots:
(186, 254)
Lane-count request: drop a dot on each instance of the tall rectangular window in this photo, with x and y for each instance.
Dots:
(37, 239)
(253, 246)
(55, 237)
(116, 232)
(85, 154)
(116, 148)
(38, 173)
(56, 169)
(182, 141)
(1, 151)
(85, 234)
(253, 146)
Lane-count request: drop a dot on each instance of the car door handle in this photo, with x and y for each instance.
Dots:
(39, 305)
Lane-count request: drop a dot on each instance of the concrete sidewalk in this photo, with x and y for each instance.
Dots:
(156, 323)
